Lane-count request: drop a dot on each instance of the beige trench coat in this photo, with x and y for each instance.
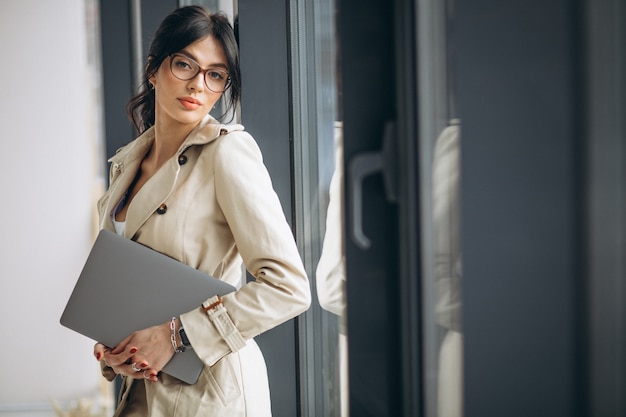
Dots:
(212, 206)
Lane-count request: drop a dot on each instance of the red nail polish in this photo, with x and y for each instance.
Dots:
(98, 356)
(143, 365)
(133, 351)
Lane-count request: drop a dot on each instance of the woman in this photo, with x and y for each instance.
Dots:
(198, 191)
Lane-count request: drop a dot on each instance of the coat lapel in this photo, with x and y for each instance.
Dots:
(159, 187)
(124, 166)
(153, 193)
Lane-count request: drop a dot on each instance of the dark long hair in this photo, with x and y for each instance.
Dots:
(179, 29)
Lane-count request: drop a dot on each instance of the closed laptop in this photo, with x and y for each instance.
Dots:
(125, 286)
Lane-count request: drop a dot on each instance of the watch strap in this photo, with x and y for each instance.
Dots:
(183, 337)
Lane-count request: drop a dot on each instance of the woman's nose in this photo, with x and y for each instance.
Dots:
(197, 82)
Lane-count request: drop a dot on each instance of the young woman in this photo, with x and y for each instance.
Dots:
(198, 191)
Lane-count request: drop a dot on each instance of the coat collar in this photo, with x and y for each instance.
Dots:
(205, 132)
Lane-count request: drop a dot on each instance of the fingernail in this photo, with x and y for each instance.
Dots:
(133, 351)
(98, 356)
(143, 364)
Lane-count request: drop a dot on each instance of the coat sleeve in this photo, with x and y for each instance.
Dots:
(331, 269)
(280, 289)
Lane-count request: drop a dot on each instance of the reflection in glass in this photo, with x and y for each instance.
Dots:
(448, 269)
(439, 133)
(331, 269)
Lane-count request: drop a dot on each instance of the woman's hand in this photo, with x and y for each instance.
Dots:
(128, 367)
(141, 355)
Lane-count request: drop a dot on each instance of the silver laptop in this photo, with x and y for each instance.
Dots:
(125, 286)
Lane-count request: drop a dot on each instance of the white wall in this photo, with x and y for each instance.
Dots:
(48, 135)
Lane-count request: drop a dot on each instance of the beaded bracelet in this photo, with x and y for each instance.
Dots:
(177, 349)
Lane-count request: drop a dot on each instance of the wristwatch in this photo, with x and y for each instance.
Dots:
(183, 337)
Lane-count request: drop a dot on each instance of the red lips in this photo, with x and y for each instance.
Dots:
(189, 103)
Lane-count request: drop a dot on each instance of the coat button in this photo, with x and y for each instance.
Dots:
(182, 159)
(162, 209)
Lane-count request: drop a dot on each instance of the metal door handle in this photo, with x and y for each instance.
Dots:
(362, 166)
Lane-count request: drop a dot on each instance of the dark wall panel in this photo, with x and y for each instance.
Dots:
(265, 110)
(519, 89)
(116, 72)
(117, 66)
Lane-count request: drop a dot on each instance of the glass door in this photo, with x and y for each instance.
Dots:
(401, 138)
(373, 135)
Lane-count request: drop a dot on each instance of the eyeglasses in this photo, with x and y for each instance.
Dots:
(185, 68)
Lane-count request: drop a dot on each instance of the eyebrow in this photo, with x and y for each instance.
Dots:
(190, 55)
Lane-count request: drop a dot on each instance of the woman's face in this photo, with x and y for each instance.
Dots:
(180, 102)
